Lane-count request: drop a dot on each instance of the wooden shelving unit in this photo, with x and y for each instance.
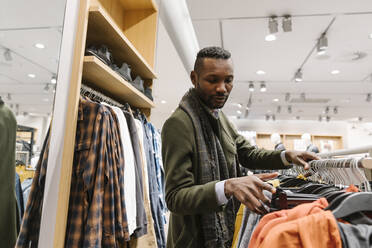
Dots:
(104, 79)
(102, 29)
(128, 28)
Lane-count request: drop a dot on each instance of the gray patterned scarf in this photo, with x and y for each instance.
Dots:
(218, 227)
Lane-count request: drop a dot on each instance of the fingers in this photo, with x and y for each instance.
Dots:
(267, 176)
(310, 156)
(303, 163)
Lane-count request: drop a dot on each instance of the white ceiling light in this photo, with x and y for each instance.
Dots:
(328, 118)
(239, 112)
(30, 75)
(335, 110)
(360, 118)
(267, 117)
(298, 76)
(53, 80)
(163, 101)
(287, 23)
(276, 100)
(263, 87)
(273, 117)
(251, 87)
(260, 72)
(270, 37)
(39, 45)
(273, 25)
(370, 36)
(297, 117)
(239, 105)
(334, 72)
(8, 55)
(326, 111)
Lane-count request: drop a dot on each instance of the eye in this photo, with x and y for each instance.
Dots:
(229, 80)
(212, 80)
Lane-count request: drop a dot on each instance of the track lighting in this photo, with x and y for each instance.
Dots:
(360, 118)
(328, 118)
(53, 80)
(335, 110)
(369, 97)
(273, 117)
(273, 25)
(278, 109)
(298, 75)
(322, 44)
(9, 97)
(289, 109)
(320, 118)
(46, 88)
(263, 87)
(8, 55)
(251, 86)
(303, 96)
(326, 111)
(267, 117)
(287, 23)
(297, 117)
(287, 97)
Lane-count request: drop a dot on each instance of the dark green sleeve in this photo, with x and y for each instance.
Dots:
(182, 195)
(255, 158)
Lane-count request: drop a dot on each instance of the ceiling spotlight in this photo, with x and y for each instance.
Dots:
(239, 105)
(369, 97)
(8, 55)
(25, 114)
(276, 100)
(30, 75)
(287, 97)
(273, 25)
(297, 117)
(287, 23)
(289, 109)
(370, 36)
(39, 45)
(320, 118)
(53, 80)
(163, 101)
(298, 75)
(335, 110)
(278, 109)
(273, 117)
(328, 118)
(263, 87)
(46, 88)
(251, 86)
(322, 44)
(360, 118)
(326, 111)
(334, 72)
(239, 112)
(9, 97)
(249, 104)
(267, 117)
(270, 37)
(260, 72)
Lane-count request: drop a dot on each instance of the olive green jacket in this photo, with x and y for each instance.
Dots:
(8, 209)
(185, 199)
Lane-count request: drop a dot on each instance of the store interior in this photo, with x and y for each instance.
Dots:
(302, 69)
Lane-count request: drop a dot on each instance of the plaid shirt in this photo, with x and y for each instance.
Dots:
(97, 216)
(29, 233)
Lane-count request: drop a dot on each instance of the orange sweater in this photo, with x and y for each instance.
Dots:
(317, 230)
(271, 220)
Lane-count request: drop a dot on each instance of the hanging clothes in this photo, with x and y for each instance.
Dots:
(8, 203)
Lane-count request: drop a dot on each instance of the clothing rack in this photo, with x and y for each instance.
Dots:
(342, 163)
(96, 95)
(357, 150)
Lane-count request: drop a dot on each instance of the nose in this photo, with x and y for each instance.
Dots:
(221, 88)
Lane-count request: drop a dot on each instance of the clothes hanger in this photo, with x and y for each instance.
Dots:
(354, 203)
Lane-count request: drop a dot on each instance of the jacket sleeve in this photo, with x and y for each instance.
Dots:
(182, 195)
(256, 158)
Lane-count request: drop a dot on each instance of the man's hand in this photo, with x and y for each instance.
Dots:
(249, 190)
(300, 158)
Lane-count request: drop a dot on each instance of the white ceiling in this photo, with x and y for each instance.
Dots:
(240, 26)
(23, 24)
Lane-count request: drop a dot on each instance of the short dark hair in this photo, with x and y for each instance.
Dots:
(210, 52)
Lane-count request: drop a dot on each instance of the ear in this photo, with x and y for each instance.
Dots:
(193, 77)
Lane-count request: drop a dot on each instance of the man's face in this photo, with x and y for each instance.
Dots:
(214, 81)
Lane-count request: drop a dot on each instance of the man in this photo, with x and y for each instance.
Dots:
(201, 153)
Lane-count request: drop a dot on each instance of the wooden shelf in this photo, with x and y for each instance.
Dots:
(139, 4)
(102, 77)
(102, 29)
